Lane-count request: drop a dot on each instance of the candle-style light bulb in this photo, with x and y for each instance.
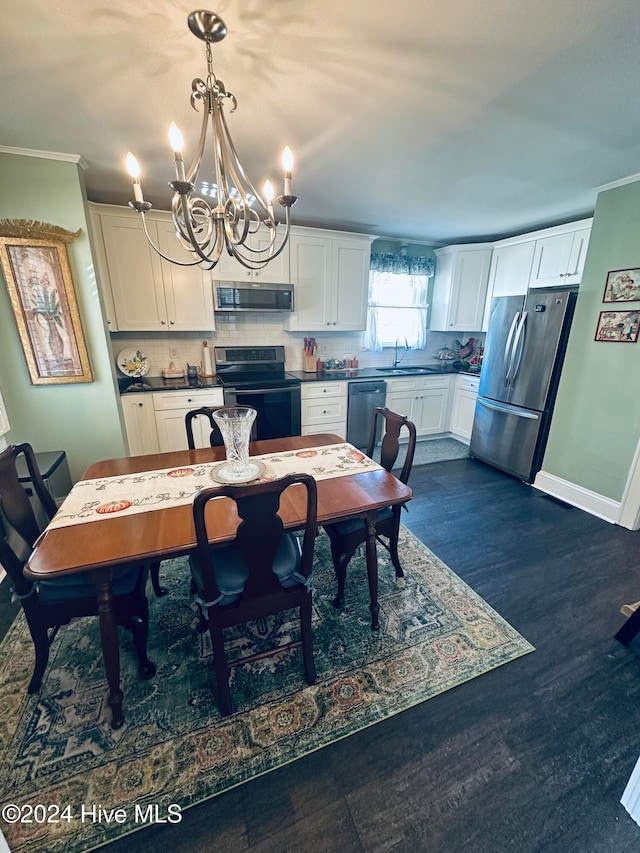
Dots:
(287, 165)
(269, 194)
(177, 142)
(134, 170)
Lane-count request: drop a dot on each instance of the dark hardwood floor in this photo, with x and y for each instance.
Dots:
(532, 756)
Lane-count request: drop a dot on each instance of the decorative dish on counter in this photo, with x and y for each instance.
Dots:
(132, 362)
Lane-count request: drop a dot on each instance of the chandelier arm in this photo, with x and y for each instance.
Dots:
(197, 159)
(212, 259)
(159, 252)
(236, 160)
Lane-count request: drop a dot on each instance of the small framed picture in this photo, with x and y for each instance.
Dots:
(619, 327)
(622, 286)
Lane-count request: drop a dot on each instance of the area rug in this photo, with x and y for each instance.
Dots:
(93, 784)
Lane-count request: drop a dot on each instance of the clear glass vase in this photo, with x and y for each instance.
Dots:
(235, 424)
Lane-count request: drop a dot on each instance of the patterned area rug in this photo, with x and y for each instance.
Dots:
(57, 748)
(439, 450)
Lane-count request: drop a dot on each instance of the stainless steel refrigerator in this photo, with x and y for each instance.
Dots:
(524, 351)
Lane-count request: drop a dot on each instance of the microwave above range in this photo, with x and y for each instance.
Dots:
(252, 296)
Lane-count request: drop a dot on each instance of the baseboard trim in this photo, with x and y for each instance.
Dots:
(591, 502)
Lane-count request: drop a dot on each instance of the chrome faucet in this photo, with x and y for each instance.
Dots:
(396, 360)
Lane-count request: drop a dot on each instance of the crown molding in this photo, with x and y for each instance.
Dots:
(46, 155)
(619, 183)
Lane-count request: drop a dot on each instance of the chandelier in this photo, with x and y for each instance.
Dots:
(237, 210)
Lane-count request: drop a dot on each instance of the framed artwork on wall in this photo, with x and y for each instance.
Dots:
(618, 326)
(622, 286)
(36, 271)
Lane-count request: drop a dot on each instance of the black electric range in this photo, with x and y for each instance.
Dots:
(255, 376)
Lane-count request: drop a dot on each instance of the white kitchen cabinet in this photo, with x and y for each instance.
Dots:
(460, 287)
(425, 400)
(324, 408)
(140, 423)
(509, 272)
(276, 271)
(146, 292)
(559, 255)
(464, 406)
(102, 272)
(330, 275)
(171, 408)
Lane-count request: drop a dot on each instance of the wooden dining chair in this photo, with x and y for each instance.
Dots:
(49, 604)
(263, 572)
(345, 536)
(215, 436)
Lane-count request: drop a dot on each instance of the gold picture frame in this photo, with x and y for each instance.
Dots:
(35, 266)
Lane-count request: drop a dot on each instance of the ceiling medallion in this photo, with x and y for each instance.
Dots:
(236, 209)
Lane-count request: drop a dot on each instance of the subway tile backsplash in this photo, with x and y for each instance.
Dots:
(186, 347)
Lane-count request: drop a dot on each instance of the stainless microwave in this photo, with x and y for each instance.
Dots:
(252, 296)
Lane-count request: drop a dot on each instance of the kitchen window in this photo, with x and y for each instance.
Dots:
(397, 308)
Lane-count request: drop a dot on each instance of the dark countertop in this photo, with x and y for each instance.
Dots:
(374, 373)
(157, 383)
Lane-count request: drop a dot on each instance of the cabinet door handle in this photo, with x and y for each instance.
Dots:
(172, 322)
(163, 322)
(141, 404)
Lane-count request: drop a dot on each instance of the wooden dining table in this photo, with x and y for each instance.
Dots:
(105, 547)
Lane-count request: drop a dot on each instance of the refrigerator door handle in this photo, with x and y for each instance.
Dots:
(518, 345)
(508, 410)
(508, 354)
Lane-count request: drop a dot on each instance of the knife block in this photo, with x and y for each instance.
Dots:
(310, 364)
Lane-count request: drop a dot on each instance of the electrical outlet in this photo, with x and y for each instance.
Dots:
(174, 352)
(323, 349)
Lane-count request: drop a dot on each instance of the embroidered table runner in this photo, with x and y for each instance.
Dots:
(95, 500)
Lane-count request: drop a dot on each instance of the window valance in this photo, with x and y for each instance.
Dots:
(388, 262)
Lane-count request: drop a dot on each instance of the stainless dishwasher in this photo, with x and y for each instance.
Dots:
(363, 399)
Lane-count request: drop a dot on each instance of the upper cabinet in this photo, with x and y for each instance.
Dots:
(330, 276)
(509, 272)
(460, 287)
(276, 271)
(559, 255)
(142, 291)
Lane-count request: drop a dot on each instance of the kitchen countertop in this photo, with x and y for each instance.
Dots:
(376, 373)
(147, 383)
(158, 383)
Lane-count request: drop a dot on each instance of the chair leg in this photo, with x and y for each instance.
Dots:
(221, 669)
(158, 590)
(341, 575)
(139, 628)
(40, 637)
(393, 550)
(307, 641)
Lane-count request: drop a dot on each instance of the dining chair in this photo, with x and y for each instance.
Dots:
(263, 572)
(215, 436)
(49, 604)
(345, 536)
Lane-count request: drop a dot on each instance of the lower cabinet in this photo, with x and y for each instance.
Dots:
(424, 400)
(140, 423)
(464, 406)
(154, 422)
(324, 408)
(171, 408)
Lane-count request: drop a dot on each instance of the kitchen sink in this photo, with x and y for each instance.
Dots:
(403, 371)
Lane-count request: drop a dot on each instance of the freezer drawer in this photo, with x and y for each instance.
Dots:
(508, 438)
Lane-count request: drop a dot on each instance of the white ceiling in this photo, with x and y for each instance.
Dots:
(417, 119)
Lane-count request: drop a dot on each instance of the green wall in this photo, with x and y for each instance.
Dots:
(82, 418)
(596, 421)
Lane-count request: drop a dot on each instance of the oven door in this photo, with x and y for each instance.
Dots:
(279, 409)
